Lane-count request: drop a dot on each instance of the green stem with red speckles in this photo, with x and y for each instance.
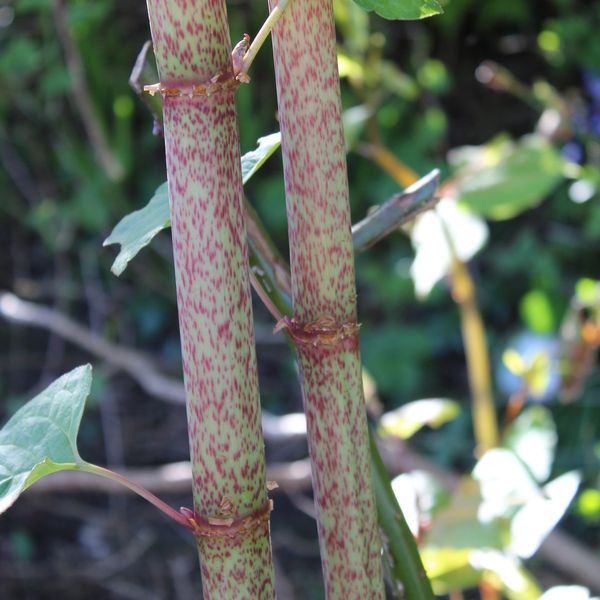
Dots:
(191, 44)
(323, 287)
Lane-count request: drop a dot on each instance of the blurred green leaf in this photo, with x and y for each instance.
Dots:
(20, 58)
(532, 437)
(41, 437)
(449, 569)
(587, 292)
(536, 311)
(25, 6)
(459, 525)
(402, 9)
(405, 421)
(588, 505)
(460, 569)
(505, 178)
(434, 76)
(22, 546)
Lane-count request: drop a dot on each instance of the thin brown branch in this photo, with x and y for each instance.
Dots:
(81, 95)
(141, 368)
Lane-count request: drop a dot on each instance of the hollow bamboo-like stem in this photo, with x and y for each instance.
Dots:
(192, 49)
(324, 298)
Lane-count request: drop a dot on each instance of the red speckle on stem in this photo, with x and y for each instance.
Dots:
(323, 287)
(191, 44)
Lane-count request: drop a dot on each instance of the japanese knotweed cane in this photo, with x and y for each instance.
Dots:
(192, 49)
(324, 326)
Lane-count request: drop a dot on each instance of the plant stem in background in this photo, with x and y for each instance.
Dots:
(262, 34)
(191, 45)
(485, 424)
(136, 488)
(324, 325)
(405, 564)
(406, 569)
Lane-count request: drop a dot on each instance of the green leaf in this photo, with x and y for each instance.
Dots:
(506, 484)
(536, 519)
(405, 421)
(506, 573)
(252, 161)
(402, 9)
(40, 438)
(532, 437)
(137, 229)
(459, 525)
(449, 569)
(420, 496)
(536, 311)
(430, 237)
(504, 179)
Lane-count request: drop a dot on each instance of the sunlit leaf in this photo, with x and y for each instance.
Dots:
(506, 483)
(460, 525)
(536, 519)
(532, 437)
(420, 495)
(449, 569)
(408, 419)
(505, 178)
(588, 505)
(536, 311)
(430, 236)
(402, 9)
(566, 592)
(460, 569)
(506, 574)
(587, 291)
(252, 161)
(530, 363)
(40, 438)
(513, 362)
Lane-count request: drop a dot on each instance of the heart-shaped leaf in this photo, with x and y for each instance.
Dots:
(41, 437)
(407, 10)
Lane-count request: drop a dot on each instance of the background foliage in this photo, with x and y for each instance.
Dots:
(73, 163)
